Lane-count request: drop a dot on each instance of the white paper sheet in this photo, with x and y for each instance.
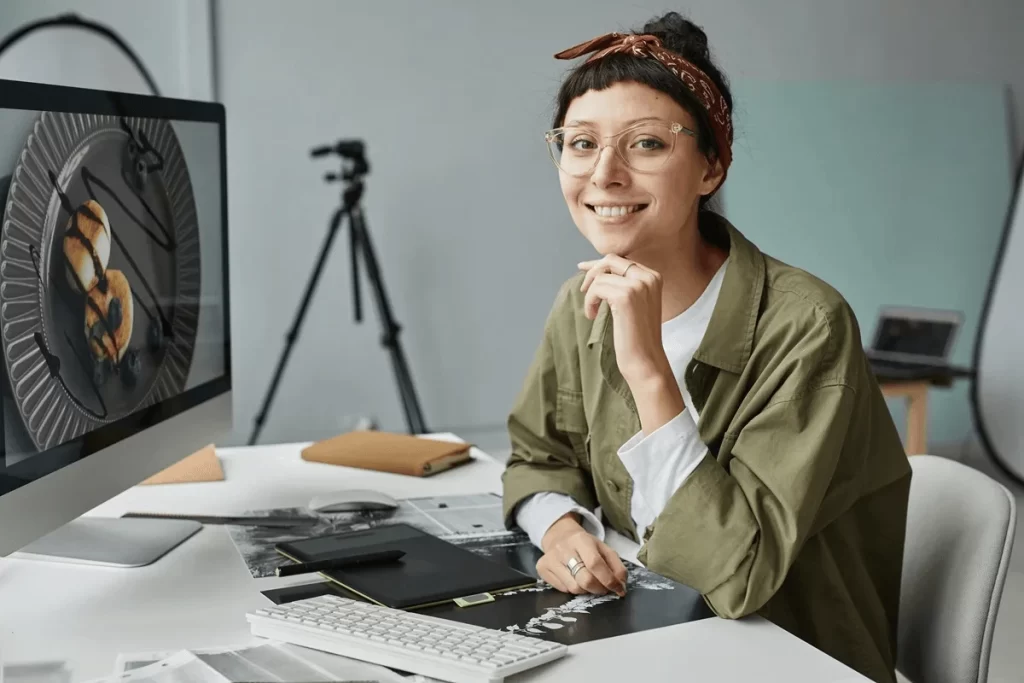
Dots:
(266, 662)
(179, 667)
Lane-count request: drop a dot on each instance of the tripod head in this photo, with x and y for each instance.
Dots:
(353, 167)
(353, 159)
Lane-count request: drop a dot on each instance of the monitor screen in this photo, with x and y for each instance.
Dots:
(113, 272)
(914, 336)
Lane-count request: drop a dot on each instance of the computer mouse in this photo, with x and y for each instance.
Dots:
(352, 500)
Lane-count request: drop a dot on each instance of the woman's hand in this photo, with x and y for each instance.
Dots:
(633, 293)
(602, 569)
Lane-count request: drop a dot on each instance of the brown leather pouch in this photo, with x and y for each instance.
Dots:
(387, 452)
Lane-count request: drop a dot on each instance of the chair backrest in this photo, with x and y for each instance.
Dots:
(960, 530)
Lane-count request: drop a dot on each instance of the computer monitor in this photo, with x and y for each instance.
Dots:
(114, 311)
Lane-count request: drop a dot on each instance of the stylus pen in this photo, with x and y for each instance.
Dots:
(327, 565)
(275, 522)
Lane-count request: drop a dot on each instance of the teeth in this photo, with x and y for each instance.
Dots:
(613, 211)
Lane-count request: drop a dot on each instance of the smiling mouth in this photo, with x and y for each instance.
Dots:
(616, 211)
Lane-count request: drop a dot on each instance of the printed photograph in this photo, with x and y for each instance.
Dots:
(455, 518)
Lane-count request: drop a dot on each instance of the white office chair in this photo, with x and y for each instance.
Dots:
(960, 527)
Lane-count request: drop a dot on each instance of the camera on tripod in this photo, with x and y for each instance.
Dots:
(354, 168)
(351, 150)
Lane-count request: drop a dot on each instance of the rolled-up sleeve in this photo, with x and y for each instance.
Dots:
(659, 463)
(733, 530)
(537, 513)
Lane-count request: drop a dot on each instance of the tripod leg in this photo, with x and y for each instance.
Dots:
(407, 393)
(293, 333)
(414, 416)
(353, 251)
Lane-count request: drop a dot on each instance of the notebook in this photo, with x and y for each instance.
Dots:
(203, 465)
(387, 452)
(432, 571)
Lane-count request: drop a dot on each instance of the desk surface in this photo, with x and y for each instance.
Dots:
(197, 595)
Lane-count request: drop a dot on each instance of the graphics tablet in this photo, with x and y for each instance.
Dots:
(433, 571)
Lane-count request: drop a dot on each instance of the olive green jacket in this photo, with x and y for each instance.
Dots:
(798, 510)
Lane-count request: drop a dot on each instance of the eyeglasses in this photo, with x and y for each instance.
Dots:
(644, 147)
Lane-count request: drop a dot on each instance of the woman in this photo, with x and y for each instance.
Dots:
(714, 402)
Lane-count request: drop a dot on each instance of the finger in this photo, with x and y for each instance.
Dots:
(567, 580)
(557, 574)
(616, 565)
(581, 547)
(617, 281)
(545, 572)
(597, 567)
(591, 302)
(592, 273)
(635, 276)
(642, 274)
(595, 295)
(586, 580)
(616, 263)
(611, 263)
(610, 288)
(587, 265)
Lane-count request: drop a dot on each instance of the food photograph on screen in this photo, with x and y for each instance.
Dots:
(101, 271)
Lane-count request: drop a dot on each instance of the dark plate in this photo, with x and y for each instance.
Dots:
(68, 159)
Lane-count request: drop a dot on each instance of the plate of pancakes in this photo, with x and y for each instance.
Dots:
(99, 273)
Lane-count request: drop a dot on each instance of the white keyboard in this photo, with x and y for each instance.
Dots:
(411, 642)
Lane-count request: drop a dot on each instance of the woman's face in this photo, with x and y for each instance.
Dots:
(619, 209)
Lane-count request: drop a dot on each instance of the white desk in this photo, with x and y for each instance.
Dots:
(197, 595)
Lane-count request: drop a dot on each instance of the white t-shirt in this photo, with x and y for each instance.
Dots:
(659, 462)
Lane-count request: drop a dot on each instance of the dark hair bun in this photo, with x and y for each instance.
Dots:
(680, 35)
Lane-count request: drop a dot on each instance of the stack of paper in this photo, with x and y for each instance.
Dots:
(266, 662)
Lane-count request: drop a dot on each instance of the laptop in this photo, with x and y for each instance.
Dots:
(915, 342)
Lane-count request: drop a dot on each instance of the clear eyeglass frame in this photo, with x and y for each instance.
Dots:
(551, 138)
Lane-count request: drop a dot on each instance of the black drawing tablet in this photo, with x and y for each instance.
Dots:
(433, 571)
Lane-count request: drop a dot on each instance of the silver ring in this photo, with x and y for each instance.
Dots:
(574, 566)
(627, 269)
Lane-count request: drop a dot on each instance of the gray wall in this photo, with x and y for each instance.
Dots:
(451, 98)
(172, 39)
(470, 228)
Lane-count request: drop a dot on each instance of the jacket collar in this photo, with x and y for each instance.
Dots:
(729, 339)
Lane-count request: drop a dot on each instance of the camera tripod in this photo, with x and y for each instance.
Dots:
(354, 169)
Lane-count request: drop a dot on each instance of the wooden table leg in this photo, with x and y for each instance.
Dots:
(917, 422)
(916, 395)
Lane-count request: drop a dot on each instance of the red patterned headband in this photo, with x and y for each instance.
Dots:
(697, 81)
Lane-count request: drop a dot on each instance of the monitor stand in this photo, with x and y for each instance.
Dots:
(110, 541)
